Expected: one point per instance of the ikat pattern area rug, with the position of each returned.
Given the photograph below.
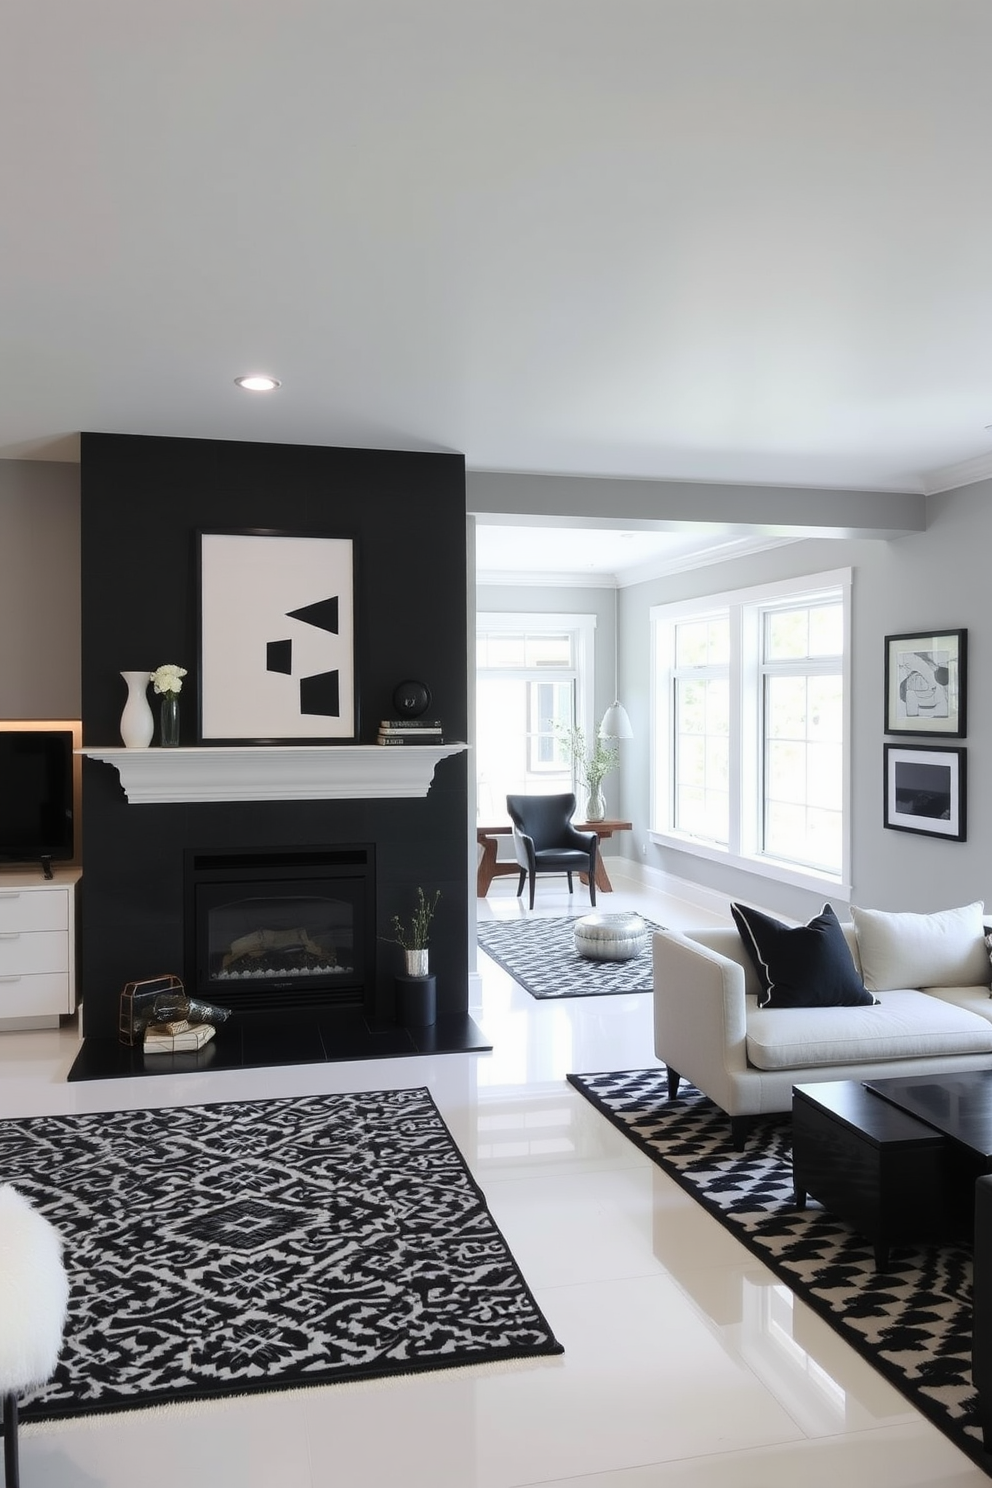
(263, 1245)
(912, 1322)
(540, 954)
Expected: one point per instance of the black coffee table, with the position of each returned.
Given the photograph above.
(865, 1151)
(958, 1105)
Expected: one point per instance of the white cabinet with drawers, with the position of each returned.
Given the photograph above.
(37, 948)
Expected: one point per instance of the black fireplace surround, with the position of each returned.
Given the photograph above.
(143, 501)
(281, 930)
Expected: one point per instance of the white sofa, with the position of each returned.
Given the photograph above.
(709, 1028)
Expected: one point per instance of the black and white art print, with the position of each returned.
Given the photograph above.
(926, 683)
(277, 638)
(925, 790)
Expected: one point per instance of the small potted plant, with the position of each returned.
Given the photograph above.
(414, 934)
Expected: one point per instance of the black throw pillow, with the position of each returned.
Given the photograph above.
(801, 965)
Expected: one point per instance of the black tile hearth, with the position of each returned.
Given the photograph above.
(245, 1043)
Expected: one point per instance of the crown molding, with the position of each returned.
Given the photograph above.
(734, 547)
(965, 473)
(517, 578)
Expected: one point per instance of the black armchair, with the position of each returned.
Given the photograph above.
(545, 841)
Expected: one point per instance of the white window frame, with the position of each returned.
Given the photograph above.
(540, 622)
(744, 607)
(704, 673)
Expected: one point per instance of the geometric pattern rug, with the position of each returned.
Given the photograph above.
(540, 954)
(264, 1245)
(912, 1322)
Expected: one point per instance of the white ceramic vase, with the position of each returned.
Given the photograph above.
(137, 720)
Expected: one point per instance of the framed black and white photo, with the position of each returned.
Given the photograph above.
(925, 790)
(277, 638)
(926, 683)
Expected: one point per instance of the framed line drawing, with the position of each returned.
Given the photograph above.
(276, 638)
(925, 790)
(926, 683)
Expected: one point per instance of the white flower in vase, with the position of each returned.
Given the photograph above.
(168, 679)
(168, 682)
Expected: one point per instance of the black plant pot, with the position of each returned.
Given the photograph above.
(416, 1001)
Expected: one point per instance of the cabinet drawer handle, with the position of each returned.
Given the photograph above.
(10, 894)
(10, 978)
(10, 934)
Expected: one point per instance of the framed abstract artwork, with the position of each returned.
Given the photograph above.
(926, 683)
(925, 790)
(276, 638)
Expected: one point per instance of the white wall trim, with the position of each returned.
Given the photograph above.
(733, 548)
(965, 473)
(521, 578)
(696, 895)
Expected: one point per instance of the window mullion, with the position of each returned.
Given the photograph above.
(745, 638)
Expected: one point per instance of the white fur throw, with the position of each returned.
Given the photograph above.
(34, 1290)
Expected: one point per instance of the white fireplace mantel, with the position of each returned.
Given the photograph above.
(275, 772)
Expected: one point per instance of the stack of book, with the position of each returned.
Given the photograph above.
(411, 731)
(170, 1038)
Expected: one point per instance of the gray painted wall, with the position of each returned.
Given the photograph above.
(39, 589)
(772, 510)
(932, 580)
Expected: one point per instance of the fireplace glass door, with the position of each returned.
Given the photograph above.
(276, 938)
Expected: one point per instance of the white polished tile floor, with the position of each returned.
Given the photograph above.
(686, 1364)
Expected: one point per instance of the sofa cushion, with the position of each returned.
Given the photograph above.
(946, 949)
(904, 1025)
(801, 965)
(975, 999)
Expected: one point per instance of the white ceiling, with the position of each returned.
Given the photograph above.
(604, 557)
(716, 240)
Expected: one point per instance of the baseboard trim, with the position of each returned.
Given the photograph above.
(696, 895)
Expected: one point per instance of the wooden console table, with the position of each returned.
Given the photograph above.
(491, 868)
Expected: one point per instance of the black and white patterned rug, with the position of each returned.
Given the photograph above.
(913, 1322)
(540, 954)
(263, 1245)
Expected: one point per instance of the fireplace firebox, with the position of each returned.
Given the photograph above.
(281, 929)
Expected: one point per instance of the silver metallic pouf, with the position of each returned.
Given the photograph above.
(611, 937)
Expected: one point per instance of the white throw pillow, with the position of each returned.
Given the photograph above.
(946, 949)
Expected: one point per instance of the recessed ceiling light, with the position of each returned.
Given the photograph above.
(258, 384)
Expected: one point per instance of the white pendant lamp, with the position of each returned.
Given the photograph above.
(616, 724)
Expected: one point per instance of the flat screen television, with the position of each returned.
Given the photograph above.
(39, 792)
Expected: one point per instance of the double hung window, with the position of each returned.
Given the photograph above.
(533, 680)
(751, 729)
